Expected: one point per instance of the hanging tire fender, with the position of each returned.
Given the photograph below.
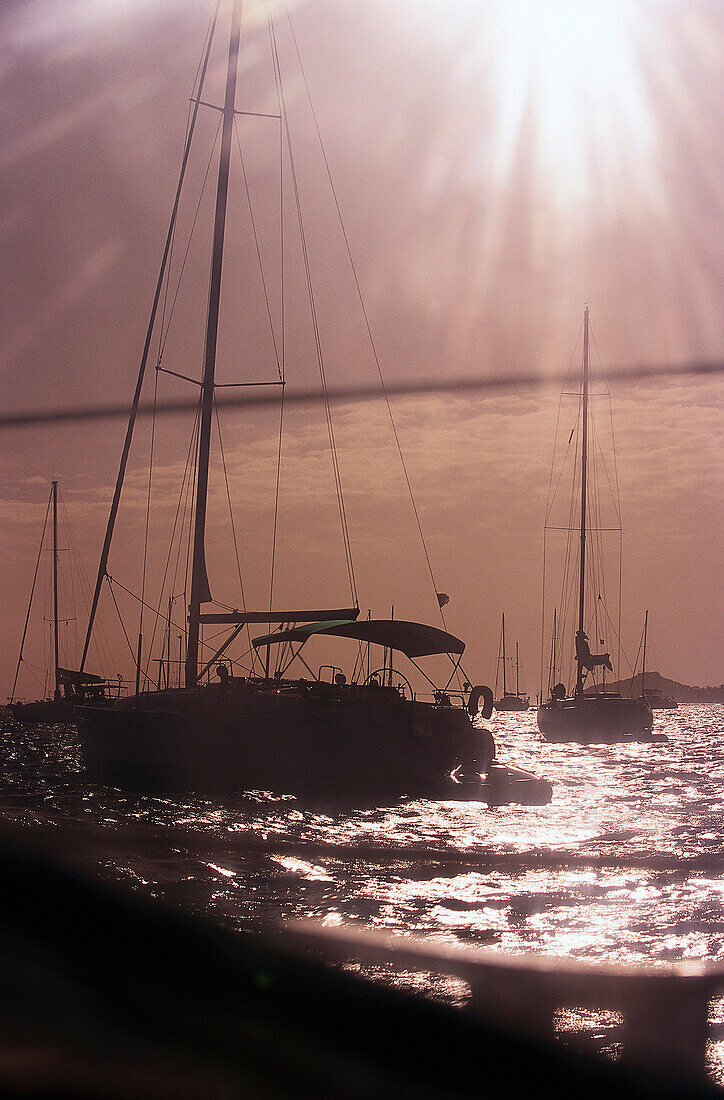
(480, 701)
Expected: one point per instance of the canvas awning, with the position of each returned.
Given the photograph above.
(412, 639)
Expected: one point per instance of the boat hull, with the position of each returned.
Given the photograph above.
(511, 702)
(47, 711)
(500, 786)
(290, 738)
(661, 702)
(596, 719)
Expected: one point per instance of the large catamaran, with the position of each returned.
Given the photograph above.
(590, 713)
(360, 733)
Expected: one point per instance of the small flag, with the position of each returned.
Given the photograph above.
(442, 598)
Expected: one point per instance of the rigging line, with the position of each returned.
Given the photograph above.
(164, 333)
(276, 504)
(84, 584)
(549, 501)
(602, 458)
(30, 601)
(108, 538)
(543, 617)
(572, 545)
(162, 587)
(67, 592)
(613, 436)
(185, 510)
(282, 317)
(500, 383)
(613, 628)
(231, 510)
(282, 238)
(120, 618)
(318, 345)
(148, 606)
(231, 517)
(145, 548)
(258, 250)
(144, 568)
(191, 498)
(620, 595)
(189, 116)
(366, 319)
(558, 481)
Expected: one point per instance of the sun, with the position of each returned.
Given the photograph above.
(566, 79)
(573, 69)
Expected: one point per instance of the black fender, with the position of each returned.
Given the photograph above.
(478, 695)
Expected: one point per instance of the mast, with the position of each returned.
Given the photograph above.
(643, 660)
(584, 474)
(200, 591)
(503, 643)
(54, 491)
(110, 527)
(517, 685)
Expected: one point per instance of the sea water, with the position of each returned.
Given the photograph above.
(624, 802)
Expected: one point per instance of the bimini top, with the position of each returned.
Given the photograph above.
(412, 639)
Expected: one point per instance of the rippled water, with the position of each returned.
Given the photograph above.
(646, 800)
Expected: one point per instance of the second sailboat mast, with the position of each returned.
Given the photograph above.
(200, 591)
(56, 689)
(584, 475)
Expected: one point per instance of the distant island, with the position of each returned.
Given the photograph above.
(682, 693)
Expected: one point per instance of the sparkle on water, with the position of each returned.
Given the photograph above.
(661, 799)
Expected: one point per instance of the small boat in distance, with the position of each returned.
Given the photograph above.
(509, 700)
(68, 687)
(589, 715)
(246, 722)
(658, 701)
(654, 696)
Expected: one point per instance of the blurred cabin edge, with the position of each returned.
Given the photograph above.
(107, 994)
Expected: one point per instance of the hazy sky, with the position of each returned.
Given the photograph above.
(496, 165)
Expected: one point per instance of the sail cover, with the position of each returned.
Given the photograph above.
(412, 639)
(71, 677)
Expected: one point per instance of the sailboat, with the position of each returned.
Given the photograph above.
(68, 686)
(330, 733)
(654, 696)
(590, 714)
(510, 700)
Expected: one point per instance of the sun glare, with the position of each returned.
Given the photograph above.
(568, 71)
(564, 78)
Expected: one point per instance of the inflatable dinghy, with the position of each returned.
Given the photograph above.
(499, 786)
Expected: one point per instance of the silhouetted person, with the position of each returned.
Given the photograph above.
(587, 659)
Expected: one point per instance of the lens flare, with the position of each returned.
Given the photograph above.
(570, 72)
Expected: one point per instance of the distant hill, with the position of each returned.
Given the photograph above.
(682, 693)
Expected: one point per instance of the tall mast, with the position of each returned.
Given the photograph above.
(643, 661)
(553, 650)
(56, 691)
(503, 642)
(517, 673)
(200, 591)
(584, 474)
(110, 527)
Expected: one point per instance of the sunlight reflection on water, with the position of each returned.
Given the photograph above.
(618, 801)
